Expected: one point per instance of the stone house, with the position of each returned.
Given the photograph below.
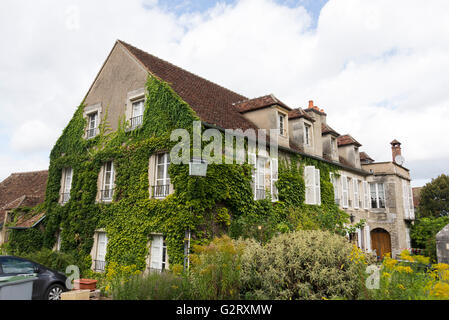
(378, 192)
(21, 190)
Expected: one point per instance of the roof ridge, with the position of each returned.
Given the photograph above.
(28, 172)
(175, 66)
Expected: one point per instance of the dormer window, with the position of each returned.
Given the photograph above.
(92, 125)
(307, 134)
(137, 114)
(281, 124)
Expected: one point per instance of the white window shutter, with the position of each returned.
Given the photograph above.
(344, 184)
(366, 195)
(317, 187)
(274, 166)
(412, 206)
(356, 193)
(252, 160)
(156, 253)
(359, 238)
(309, 178)
(405, 198)
(368, 238)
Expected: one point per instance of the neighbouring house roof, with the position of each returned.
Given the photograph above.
(347, 140)
(211, 102)
(259, 103)
(365, 157)
(326, 129)
(24, 189)
(299, 113)
(26, 221)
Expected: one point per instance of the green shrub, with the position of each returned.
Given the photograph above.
(215, 270)
(153, 286)
(52, 259)
(302, 265)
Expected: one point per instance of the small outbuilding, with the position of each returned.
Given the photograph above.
(442, 242)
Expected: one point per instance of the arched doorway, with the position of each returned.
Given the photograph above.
(381, 242)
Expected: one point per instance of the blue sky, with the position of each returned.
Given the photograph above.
(378, 68)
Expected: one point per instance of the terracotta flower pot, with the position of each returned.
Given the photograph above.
(85, 284)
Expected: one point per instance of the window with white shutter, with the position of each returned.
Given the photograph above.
(359, 238)
(309, 179)
(345, 191)
(334, 181)
(67, 185)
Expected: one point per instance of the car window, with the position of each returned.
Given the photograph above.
(12, 265)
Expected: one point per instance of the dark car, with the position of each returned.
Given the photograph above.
(49, 284)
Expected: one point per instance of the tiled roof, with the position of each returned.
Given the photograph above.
(259, 103)
(24, 201)
(347, 140)
(325, 129)
(211, 102)
(299, 113)
(26, 221)
(17, 185)
(364, 157)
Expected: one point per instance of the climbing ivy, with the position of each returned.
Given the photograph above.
(220, 203)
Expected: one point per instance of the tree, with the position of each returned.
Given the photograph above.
(434, 199)
(423, 234)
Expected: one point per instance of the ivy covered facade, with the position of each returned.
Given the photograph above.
(114, 196)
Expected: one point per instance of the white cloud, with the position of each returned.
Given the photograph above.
(34, 136)
(378, 68)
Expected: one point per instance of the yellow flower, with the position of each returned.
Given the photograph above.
(422, 259)
(440, 266)
(400, 286)
(386, 275)
(405, 255)
(389, 263)
(404, 269)
(440, 290)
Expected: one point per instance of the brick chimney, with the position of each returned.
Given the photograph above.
(395, 149)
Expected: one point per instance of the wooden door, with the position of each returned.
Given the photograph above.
(381, 242)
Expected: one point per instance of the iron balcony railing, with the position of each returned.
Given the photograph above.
(260, 194)
(106, 195)
(161, 191)
(100, 265)
(136, 122)
(65, 197)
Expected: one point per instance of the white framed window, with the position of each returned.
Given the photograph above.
(377, 195)
(366, 195)
(161, 187)
(281, 124)
(264, 176)
(137, 113)
(307, 134)
(107, 190)
(356, 193)
(313, 185)
(158, 255)
(260, 177)
(100, 257)
(92, 124)
(345, 191)
(67, 175)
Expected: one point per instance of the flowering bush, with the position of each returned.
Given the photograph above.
(412, 277)
(303, 265)
(215, 270)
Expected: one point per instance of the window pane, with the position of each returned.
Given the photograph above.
(381, 195)
(11, 265)
(373, 195)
